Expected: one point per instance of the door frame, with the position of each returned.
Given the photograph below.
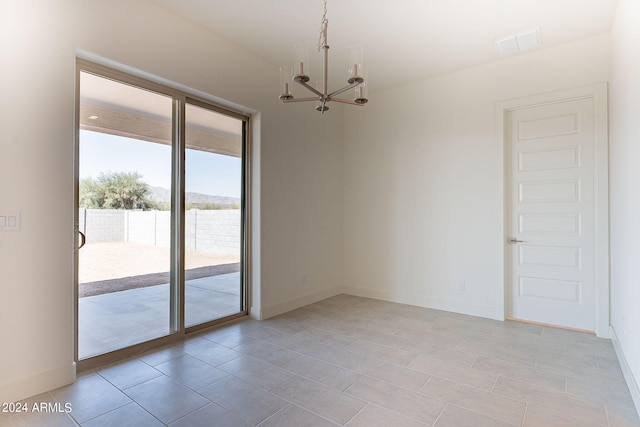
(599, 93)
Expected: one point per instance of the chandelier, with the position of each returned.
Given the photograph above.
(322, 96)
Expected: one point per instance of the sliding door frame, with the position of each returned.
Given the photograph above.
(180, 98)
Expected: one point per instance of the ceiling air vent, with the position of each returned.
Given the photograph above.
(524, 40)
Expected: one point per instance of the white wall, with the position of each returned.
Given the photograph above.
(423, 174)
(625, 193)
(297, 167)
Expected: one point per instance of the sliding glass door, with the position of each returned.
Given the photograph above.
(123, 267)
(213, 214)
(160, 212)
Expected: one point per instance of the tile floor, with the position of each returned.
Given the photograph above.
(356, 362)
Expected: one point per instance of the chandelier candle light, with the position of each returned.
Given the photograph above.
(356, 79)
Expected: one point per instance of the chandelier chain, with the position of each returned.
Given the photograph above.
(322, 40)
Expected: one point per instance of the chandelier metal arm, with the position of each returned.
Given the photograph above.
(347, 101)
(344, 89)
(311, 88)
(314, 98)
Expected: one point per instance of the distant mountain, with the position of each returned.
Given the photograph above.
(163, 195)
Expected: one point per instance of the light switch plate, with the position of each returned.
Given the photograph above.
(9, 221)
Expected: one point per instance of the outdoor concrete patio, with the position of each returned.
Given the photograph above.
(119, 319)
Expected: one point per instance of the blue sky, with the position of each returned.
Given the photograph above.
(206, 173)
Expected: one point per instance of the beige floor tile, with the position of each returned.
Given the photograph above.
(166, 399)
(622, 415)
(414, 328)
(207, 416)
(161, 355)
(131, 414)
(399, 357)
(540, 416)
(276, 337)
(319, 399)
(285, 325)
(467, 326)
(368, 348)
(538, 348)
(617, 394)
(314, 321)
(409, 403)
(267, 352)
(579, 370)
(610, 365)
(520, 372)
(520, 327)
(484, 402)
(443, 353)
(578, 341)
(256, 372)
(295, 416)
(498, 353)
(377, 416)
(227, 337)
(90, 397)
(573, 407)
(385, 371)
(464, 333)
(454, 372)
(332, 338)
(432, 338)
(209, 352)
(386, 339)
(251, 404)
(323, 372)
(381, 323)
(191, 372)
(336, 355)
(454, 416)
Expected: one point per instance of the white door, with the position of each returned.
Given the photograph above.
(551, 244)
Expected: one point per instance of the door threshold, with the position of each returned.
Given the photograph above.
(549, 325)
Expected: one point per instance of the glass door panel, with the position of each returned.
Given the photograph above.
(124, 168)
(213, 215)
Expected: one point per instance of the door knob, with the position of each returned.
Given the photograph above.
(514, 240)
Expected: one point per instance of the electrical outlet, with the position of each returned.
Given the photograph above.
(462, 285)
(9, 221)
(303, 280)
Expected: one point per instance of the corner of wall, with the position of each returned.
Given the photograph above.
(634, 389)
(292, 304)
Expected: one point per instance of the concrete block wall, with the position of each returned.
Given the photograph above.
(215, 231)
(140, 227)
(102, 225)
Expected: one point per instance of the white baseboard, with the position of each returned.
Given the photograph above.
(427, 302)
(634, 389)
(18, 390)
(276, 309)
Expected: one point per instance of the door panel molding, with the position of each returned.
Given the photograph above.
(599, 93)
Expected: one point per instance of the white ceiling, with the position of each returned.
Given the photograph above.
(403, 40)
